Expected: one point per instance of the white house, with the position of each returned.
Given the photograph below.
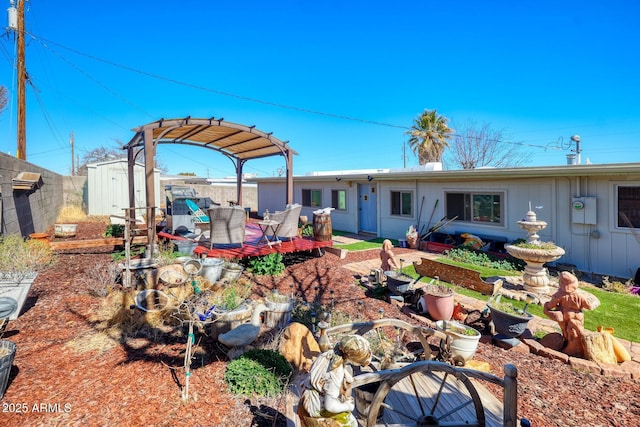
(592, 211)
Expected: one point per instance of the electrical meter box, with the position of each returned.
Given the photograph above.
(583, 210)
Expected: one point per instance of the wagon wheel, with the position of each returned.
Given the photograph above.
(420, 410)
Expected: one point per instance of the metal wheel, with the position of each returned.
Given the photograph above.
(425, 394)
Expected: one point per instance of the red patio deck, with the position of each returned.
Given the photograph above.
(252, 246)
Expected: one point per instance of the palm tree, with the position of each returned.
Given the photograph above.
(428, 136)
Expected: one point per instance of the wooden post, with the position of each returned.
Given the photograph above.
(510, 410)
(22, 76)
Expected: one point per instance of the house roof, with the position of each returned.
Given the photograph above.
(612, 169)
(231, 139)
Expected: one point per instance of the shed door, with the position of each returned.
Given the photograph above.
(367, 208)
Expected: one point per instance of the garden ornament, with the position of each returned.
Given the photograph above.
(566, 307)
(389, 262)
(326, 399)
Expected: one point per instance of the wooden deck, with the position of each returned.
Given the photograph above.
(252, 246)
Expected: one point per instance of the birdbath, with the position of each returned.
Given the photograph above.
(535, 253)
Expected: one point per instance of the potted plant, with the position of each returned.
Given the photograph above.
(464, 338)
(438, 301)
(20, 261)
(7, 354)
(508, 320)
(231, 308)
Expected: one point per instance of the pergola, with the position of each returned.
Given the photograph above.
(239, 143)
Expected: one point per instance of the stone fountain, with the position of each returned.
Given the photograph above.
(535, 253)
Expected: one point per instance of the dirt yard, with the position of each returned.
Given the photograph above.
(67, 373)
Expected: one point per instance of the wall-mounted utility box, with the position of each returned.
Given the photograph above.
(583, 210)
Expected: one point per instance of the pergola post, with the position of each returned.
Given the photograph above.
(149, 170)
(131, 164)
(289, 183)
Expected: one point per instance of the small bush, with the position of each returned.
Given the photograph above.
(268, 265)
(100, 279)
(482, 259)
(258, 372)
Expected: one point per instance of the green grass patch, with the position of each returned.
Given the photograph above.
(616, 310)
(365, 244)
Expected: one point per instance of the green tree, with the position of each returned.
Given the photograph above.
(429, 135)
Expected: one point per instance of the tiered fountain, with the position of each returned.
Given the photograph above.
(535, 253)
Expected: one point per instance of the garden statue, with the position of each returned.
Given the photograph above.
(326, 398)
(565, 307)
(389, 262)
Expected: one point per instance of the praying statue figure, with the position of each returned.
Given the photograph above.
(565, 307)
(326, 399)
(389, 262)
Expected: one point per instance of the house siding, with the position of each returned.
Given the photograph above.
(611, 251)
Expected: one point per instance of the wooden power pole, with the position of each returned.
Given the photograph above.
(22, 76)
(73, 168)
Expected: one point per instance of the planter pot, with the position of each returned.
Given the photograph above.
(225, 320)
(438, 304)
(212, 269)
(279, 314)
(65, 230)
(508, 324)
(398, 283)
(15, 287)
(186, 247)
(363, 397)
(7, 354)
(231, 272)
(465, 338)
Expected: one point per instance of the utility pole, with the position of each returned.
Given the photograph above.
(22, 75)
(73, 168)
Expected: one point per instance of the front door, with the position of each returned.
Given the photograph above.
(367, 208)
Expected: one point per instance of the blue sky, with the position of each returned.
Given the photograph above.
(539, 71)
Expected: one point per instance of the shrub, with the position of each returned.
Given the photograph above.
(482, 259)
(270, 265)
(258, 372)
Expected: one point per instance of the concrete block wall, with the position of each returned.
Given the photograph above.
(33, 211)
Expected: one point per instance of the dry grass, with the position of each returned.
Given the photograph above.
(71, 215)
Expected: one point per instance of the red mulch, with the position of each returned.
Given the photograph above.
(133, 383)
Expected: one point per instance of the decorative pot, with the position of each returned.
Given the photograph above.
(231, 272)
(212, 269)
(225, 320)
(465, 338)
(7, 354)
(509, 324)
(438, 302)
(65, 230)
(280, 308)
(16, 287)
(363, 397)
(399, 283)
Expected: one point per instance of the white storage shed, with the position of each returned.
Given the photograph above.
(108, 187)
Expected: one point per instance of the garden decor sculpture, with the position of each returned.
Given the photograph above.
(326, 399)
(565, 307)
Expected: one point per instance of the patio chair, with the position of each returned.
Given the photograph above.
(288, 219)
(226, 225)
(199, 217)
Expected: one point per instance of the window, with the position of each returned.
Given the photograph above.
(485, 208)
(628, 206)
(339, 199)
(402, 203)
(312, 198)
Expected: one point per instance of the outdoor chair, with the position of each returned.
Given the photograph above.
(288, 219)
(226, 225)
(199, 217)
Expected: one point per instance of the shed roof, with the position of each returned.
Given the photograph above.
(231, 139)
